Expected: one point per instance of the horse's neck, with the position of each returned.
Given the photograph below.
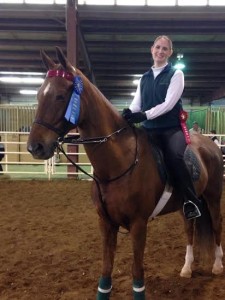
(99, 117)
(112, 157)
(102, 120)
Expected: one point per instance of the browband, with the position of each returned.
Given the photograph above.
(60, 73)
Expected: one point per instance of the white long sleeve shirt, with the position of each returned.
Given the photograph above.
(174, 93)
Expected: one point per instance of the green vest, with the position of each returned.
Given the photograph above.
(153, 92)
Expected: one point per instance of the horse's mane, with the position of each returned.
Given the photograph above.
(92, 92)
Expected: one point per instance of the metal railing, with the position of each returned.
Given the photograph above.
(19, 164)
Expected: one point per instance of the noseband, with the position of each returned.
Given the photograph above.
(58, 131)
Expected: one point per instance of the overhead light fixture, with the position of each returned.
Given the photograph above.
(22, 80)
(39, 1)
(28, 92)
(179, 63)
(136, 81)
(21, 73)
(11, 1)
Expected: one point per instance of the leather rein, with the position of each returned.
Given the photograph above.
(97, 140)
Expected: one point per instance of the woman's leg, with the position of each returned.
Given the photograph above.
(174, 146)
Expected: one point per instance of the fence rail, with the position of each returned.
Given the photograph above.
(19, 164)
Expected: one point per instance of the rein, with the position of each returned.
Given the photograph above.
(97, 140)
(98, 182)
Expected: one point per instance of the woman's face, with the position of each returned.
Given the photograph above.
(161, 52)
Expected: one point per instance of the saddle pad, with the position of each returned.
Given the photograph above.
(192, 163)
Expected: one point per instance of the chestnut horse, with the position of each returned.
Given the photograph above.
(127, 185)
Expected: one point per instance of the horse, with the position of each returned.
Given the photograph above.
(127, 185)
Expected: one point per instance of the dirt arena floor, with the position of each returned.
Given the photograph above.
(50, 249)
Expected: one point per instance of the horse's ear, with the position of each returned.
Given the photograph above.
(62, 59)
(48, 62)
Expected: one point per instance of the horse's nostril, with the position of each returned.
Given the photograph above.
(35, 148)
(29, 148)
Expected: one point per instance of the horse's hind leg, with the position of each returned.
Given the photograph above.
(218, 265)
(215, 212)
(109, 234)
(189, 257)
(138, 235)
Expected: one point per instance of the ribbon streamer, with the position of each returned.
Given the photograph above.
(183, 119)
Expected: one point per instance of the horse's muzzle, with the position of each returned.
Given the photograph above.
(40, 151)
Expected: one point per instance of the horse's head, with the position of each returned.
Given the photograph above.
(54, 110)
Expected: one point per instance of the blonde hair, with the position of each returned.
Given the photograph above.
(166, 38)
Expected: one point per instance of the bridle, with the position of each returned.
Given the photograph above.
(95, 140)
(58, 131)
(62, 74)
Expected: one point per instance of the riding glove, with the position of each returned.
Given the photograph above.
(137, 117)
(133, 117)
(126, 113)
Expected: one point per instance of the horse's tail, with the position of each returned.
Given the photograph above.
(204, 235)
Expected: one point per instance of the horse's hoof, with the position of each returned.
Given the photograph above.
(185, 273)
(217, 270)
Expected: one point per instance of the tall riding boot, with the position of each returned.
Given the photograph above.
(191, 204)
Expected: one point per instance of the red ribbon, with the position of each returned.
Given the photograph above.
(183, 118)
(60, 73)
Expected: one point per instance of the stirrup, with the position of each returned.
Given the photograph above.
(193, 213)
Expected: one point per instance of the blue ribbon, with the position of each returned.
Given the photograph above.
(73, 109)
(78, 85)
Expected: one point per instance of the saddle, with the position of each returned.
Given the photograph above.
(189, 158)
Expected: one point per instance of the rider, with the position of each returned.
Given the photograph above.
(157, 105)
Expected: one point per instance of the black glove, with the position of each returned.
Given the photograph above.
(126, 113)
(137, 117)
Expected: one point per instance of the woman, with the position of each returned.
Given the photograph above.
(157, 105)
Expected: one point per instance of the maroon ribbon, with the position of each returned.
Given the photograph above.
(60, 73)
(183, 118)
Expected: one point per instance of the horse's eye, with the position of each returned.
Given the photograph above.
(59, 97)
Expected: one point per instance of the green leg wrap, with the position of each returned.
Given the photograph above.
(104, 288)
(138, 290)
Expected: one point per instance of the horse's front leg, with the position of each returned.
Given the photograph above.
(189, 257)
(138, 236)
(109, 235)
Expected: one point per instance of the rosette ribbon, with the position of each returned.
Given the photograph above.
(73, 109)
(183, 118)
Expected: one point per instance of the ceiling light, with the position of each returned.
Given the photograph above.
(39, 1)
(22, 80)
(22, 73)
(28, 92)
(136, 81)
(11, 1)
(179, 63)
